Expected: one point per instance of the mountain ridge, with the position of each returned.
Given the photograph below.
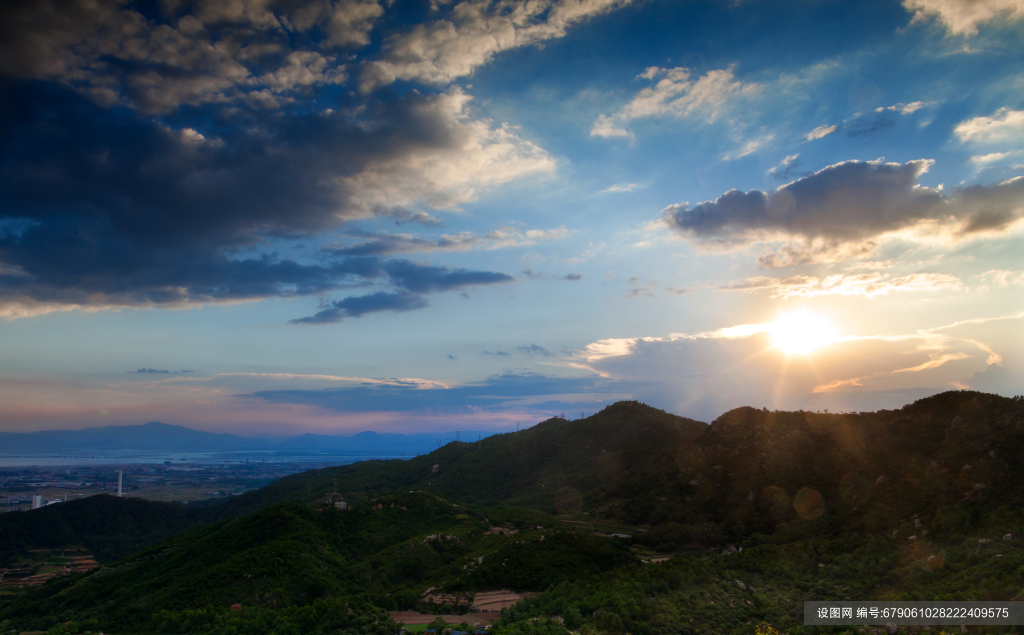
(155, 435)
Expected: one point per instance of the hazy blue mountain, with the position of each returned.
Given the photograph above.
(150, 436)
(376, 443)
(162, 436)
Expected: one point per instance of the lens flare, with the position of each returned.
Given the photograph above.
(808, 503)
(801, 333)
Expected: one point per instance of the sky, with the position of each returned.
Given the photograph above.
(274, 217)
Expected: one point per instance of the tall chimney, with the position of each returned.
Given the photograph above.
(119, 483)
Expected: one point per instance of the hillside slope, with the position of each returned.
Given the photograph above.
(750, 471)
(109, 526)
(917, 503)
(389, 550)
(558, 465)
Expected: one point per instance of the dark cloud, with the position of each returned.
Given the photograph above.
(533, 349)
(102, 207)
(166, 372)
(356, 306)
(205, 52)
(869, 125)
(424, 279)
(415, 280)
(497, 392)
(997, 379)
(789, 168)
(403, 216)
(380, 244)
(847, 202)
(532, 275)
(497, 353)
(451, 357)
(572, 277)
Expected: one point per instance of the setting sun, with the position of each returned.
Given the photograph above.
(801, 333)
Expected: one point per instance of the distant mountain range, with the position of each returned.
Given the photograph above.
(162, 436)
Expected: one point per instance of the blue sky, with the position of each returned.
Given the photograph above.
(338, 215)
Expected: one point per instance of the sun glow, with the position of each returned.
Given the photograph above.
(801, 333)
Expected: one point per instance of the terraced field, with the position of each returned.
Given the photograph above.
(46, 564)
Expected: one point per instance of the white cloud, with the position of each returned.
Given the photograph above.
(304, 68)
(704, 374)
(438, 52)
(906, 109)
(218, 53)
(349, 23)
(608, 128)
(820, 132)
(962, 17)
(750, 147)
(480, 156)
(865, 284)
(677, 94)
(621, 187)
(990, 158)
(1001, 278)
(511, 237)
(1005, 125)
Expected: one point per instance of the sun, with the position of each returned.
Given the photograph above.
(801, 333)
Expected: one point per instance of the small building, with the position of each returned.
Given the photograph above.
(340, 505)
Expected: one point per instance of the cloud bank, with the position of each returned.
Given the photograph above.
(101, 208)
(441, 51)
(839, 211)
(962, 17)
(676, 94)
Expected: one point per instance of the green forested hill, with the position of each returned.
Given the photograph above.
(110, 527)
(611, 454)
(748, 472)
(388, 550)
(704, 484)
(558, 465)
(760, 510)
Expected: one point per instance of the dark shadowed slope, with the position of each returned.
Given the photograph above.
(390, 550)
(110, 527)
